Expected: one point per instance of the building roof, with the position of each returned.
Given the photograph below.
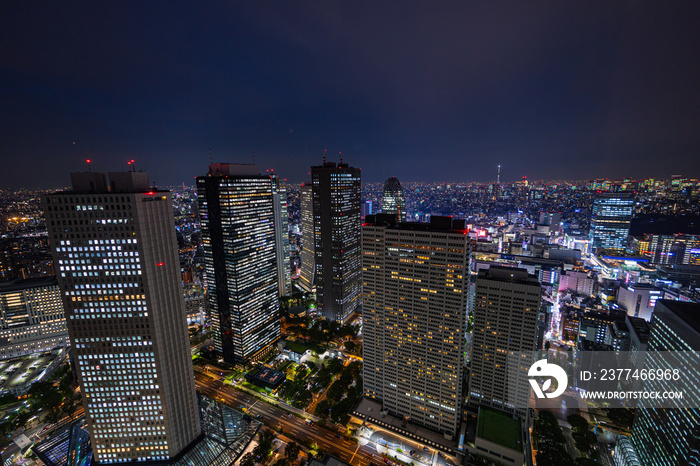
(508, 274)
(437, 223)
(26, 283)
(500, 428)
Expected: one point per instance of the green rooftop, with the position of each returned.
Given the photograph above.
(498, 427)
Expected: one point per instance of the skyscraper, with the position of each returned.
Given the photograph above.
(393, 200)
(506, 309)
(237, 207)
(415, 279)
(119, 275)
(611, 216)
(336, 216)
(308, 238)
(284, 274)
(663, 436)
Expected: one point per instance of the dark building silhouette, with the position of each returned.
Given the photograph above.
(336, 221)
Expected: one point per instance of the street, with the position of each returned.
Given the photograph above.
(328, 441)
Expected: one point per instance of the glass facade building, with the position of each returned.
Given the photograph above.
(336, 217)
(611, 215)
(308, 254)
(119, 273)
(670, 436)
(393, 200)
(238, 210)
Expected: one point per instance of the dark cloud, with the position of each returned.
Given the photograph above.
(420, 90)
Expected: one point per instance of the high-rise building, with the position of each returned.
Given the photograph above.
(669, 249)
(365, 208)
(31, 317)
(284, 271)
(415, 285)
(336, 215)
(611, 216)
(237, 210)
(393, 200)
(506, 310)
(668, 436)
(308, 238)
(118, 268)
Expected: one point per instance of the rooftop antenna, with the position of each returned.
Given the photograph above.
(133, 165)
(253, 157)
(210, 160)
(341, 156)
(89, 167)
(498, 180)
(324, 156)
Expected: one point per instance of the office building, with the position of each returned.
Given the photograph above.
(667, 436)
(366, 209)
(669, 249)
(415, 285)
(237, 211)
(119, 274)
(308, 238)
(579, 282)
(282, 249)
(31, 317)
(336, 216)
(393, 200)
(611, 215)
(638, 300)
(506, 312)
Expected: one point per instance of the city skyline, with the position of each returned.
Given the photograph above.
(434, 93)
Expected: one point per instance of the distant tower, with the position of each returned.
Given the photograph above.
(498, 179)
(393, 200)
(611, 216)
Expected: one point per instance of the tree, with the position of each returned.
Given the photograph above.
(292, 451)
(350, 345)
(547, 345)
(248, 460)
(265, 438)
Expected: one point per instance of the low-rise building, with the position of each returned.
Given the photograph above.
(31, 317)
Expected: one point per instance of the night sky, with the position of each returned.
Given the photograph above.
(425, 91)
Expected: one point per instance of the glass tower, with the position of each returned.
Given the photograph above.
(336, 216)
(611, 215)
(393, 200)
(668, 436)
(308, 255)
(119, 274)
(237, 209)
